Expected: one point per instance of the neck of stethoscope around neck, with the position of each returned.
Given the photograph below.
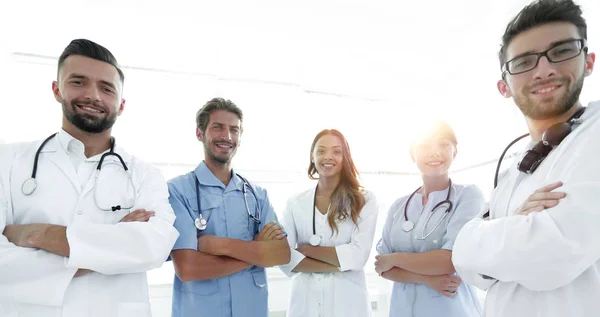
(417, 190)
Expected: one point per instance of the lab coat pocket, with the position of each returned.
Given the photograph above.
(205, 287)
(130, 309)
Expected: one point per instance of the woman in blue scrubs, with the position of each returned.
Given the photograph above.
(415, 250)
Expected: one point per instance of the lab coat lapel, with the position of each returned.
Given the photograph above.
(110, 162)
(89, 185)
(58, 156)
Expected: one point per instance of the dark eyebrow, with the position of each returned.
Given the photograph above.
(552, 45)
(104, 82)
(77, 76)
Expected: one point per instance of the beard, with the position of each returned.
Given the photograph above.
(552, 107)
(85, 122)
(213, 156)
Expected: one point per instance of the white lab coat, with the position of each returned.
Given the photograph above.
(546, 263)
(41, 284)
(342, 293)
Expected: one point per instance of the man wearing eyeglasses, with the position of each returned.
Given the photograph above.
(538, 253)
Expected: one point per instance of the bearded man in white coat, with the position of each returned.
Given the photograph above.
(538, 252)
(81, 220)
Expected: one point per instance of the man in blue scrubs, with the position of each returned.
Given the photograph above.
(222, 251)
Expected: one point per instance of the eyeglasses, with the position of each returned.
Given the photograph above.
(556, 54)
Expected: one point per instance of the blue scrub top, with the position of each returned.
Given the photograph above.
(243, 293)
(419, 300)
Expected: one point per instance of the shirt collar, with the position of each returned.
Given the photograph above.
(73, 145)
(206, 177)
(69, 143)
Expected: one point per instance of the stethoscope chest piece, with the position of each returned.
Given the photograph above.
(314, 240)
(29, 186)
(407, 226)
(200, 223)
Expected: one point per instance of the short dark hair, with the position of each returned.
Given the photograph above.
(92, 50)
(542, 12)
(203, 115)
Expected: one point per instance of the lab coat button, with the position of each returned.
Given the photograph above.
(79, 212)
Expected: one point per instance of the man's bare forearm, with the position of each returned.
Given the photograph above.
(53, 239)
(260, 253)
(193, 265)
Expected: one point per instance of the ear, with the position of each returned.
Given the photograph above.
(503, 88)
(56, 92)
(312, 158)
(455, 152)
(121, 107)
(589, 63)
(199, 135)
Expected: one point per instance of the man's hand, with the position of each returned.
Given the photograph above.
(541, 199)
(271, 231)
(446, 284)
(140, 215)
(27, 236)
(384, 263)
(210, 244)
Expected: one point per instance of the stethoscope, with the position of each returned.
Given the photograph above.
(201, 223)
(408, 225)
(315, 239)
(30, 185)
(536, 158)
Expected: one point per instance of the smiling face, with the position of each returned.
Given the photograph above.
(550, 89)
(89, 91)
(222, 136)
(328, 155)
(434, 156)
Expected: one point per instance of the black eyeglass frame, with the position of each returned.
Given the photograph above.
(582, 48)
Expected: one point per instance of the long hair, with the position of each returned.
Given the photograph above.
(347, 199)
